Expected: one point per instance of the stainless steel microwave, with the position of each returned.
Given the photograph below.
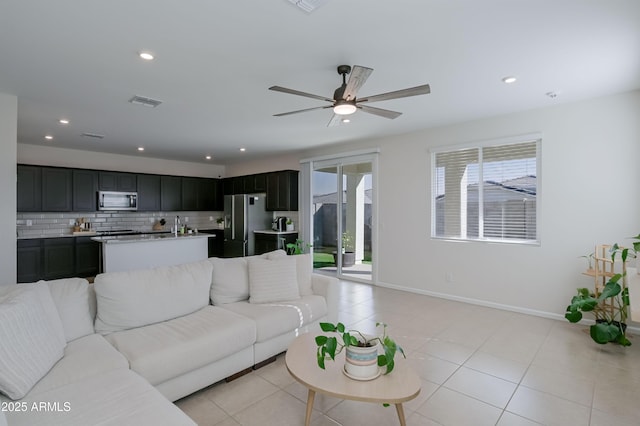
(116, 200)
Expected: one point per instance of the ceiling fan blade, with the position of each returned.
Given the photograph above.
(381, 112)
(300, 110)
(404, 93)
(357, 78)
(336, 120)
(299, 93)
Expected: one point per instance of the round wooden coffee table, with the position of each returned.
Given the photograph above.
(401, 385)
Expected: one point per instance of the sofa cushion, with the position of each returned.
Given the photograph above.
(229, 281)
(274, 319)
(138, 298)
(166, 350)
(32, 339)
(73, 300)
(115, 398)
(273, 280)
(84, 357)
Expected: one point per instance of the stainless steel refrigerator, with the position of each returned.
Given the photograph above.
(244, 214)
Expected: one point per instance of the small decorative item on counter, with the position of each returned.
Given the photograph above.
(289, 224)
(220, 222)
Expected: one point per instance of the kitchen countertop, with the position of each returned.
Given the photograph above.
(137, 238)
(271, 232)
(88, 234)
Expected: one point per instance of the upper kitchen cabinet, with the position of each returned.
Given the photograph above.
(85, 188)
(29, 188)
(149, 193)
(118, 181)
(200, 194)
(57, 189)
(171, 193)
(255, 183)
(282, 191)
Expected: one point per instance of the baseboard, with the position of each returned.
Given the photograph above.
(488, 304)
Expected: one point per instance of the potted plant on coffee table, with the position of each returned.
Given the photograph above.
(362, 361)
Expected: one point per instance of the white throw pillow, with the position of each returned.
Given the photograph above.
(32, 339)
(229, 281)
(273, 280)
(73, 300)
(137, 298)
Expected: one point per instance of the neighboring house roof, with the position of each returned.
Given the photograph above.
(332, 198)
(508, 189)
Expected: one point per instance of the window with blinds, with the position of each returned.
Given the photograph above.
(486, 192)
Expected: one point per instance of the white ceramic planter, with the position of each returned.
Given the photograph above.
(362, 363)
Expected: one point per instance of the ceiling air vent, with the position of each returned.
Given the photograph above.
(308, 5)
(144, 101)
(93, 135)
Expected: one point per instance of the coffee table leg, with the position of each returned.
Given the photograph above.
(400, 411)
(310, 398)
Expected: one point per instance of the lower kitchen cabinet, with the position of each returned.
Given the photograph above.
(266, 242)
(29, 260)
(216, 241)
(54, 258)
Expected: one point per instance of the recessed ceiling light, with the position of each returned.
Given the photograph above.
(510, 79)
(208, 157)
(63, 121)
(48, 137)
(346, 120)
(243, 149)
(146, 56)
(140, 148)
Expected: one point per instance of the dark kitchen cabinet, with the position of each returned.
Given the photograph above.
(118, 181)
(227, 186)
(87, 257)
(209, 195)
(216, 242)
(265, 243)
(85, 189)
(190, 190)
(282, 191)
(149, 193)
(29, 188)
(171, 193)
(255, 183)
(59, 258)
(29, 260)
(57, 191)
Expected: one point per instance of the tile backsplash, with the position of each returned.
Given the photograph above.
(33, 225)
(56, 224)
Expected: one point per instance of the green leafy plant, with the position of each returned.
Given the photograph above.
(330, 346)
(347, 241)
(298, 247)
(611, 307)
(219, 220)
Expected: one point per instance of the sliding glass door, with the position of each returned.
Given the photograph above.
(343, 217)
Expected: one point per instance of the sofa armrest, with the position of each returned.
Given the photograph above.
(326, 286)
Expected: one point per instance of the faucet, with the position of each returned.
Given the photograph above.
(176, 224)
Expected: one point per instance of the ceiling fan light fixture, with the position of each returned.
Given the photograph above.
(344, 108)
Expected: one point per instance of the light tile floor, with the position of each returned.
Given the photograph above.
(479, 366)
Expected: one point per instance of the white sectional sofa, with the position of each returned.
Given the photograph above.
(119, 351)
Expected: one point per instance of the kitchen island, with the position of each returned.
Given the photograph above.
(143, 251)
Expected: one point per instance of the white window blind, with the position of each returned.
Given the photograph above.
(486, 192)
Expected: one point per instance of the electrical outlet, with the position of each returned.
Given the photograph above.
(72, 222)
(210, 218)
(186, 219)
(448, 277)
(29, 222)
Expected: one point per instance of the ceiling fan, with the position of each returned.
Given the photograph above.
(344, 100)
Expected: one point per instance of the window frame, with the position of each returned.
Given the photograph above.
(519, 139)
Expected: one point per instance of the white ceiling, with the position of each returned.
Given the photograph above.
(215, 59)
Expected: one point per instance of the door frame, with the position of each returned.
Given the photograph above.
(306, 197)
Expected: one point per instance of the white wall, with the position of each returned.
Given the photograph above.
(590, 187)
(62, 157)
(8, 132)
(280, 162)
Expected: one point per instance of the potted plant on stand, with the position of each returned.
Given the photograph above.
(348, 254)
(362, 361)
(610, 307)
